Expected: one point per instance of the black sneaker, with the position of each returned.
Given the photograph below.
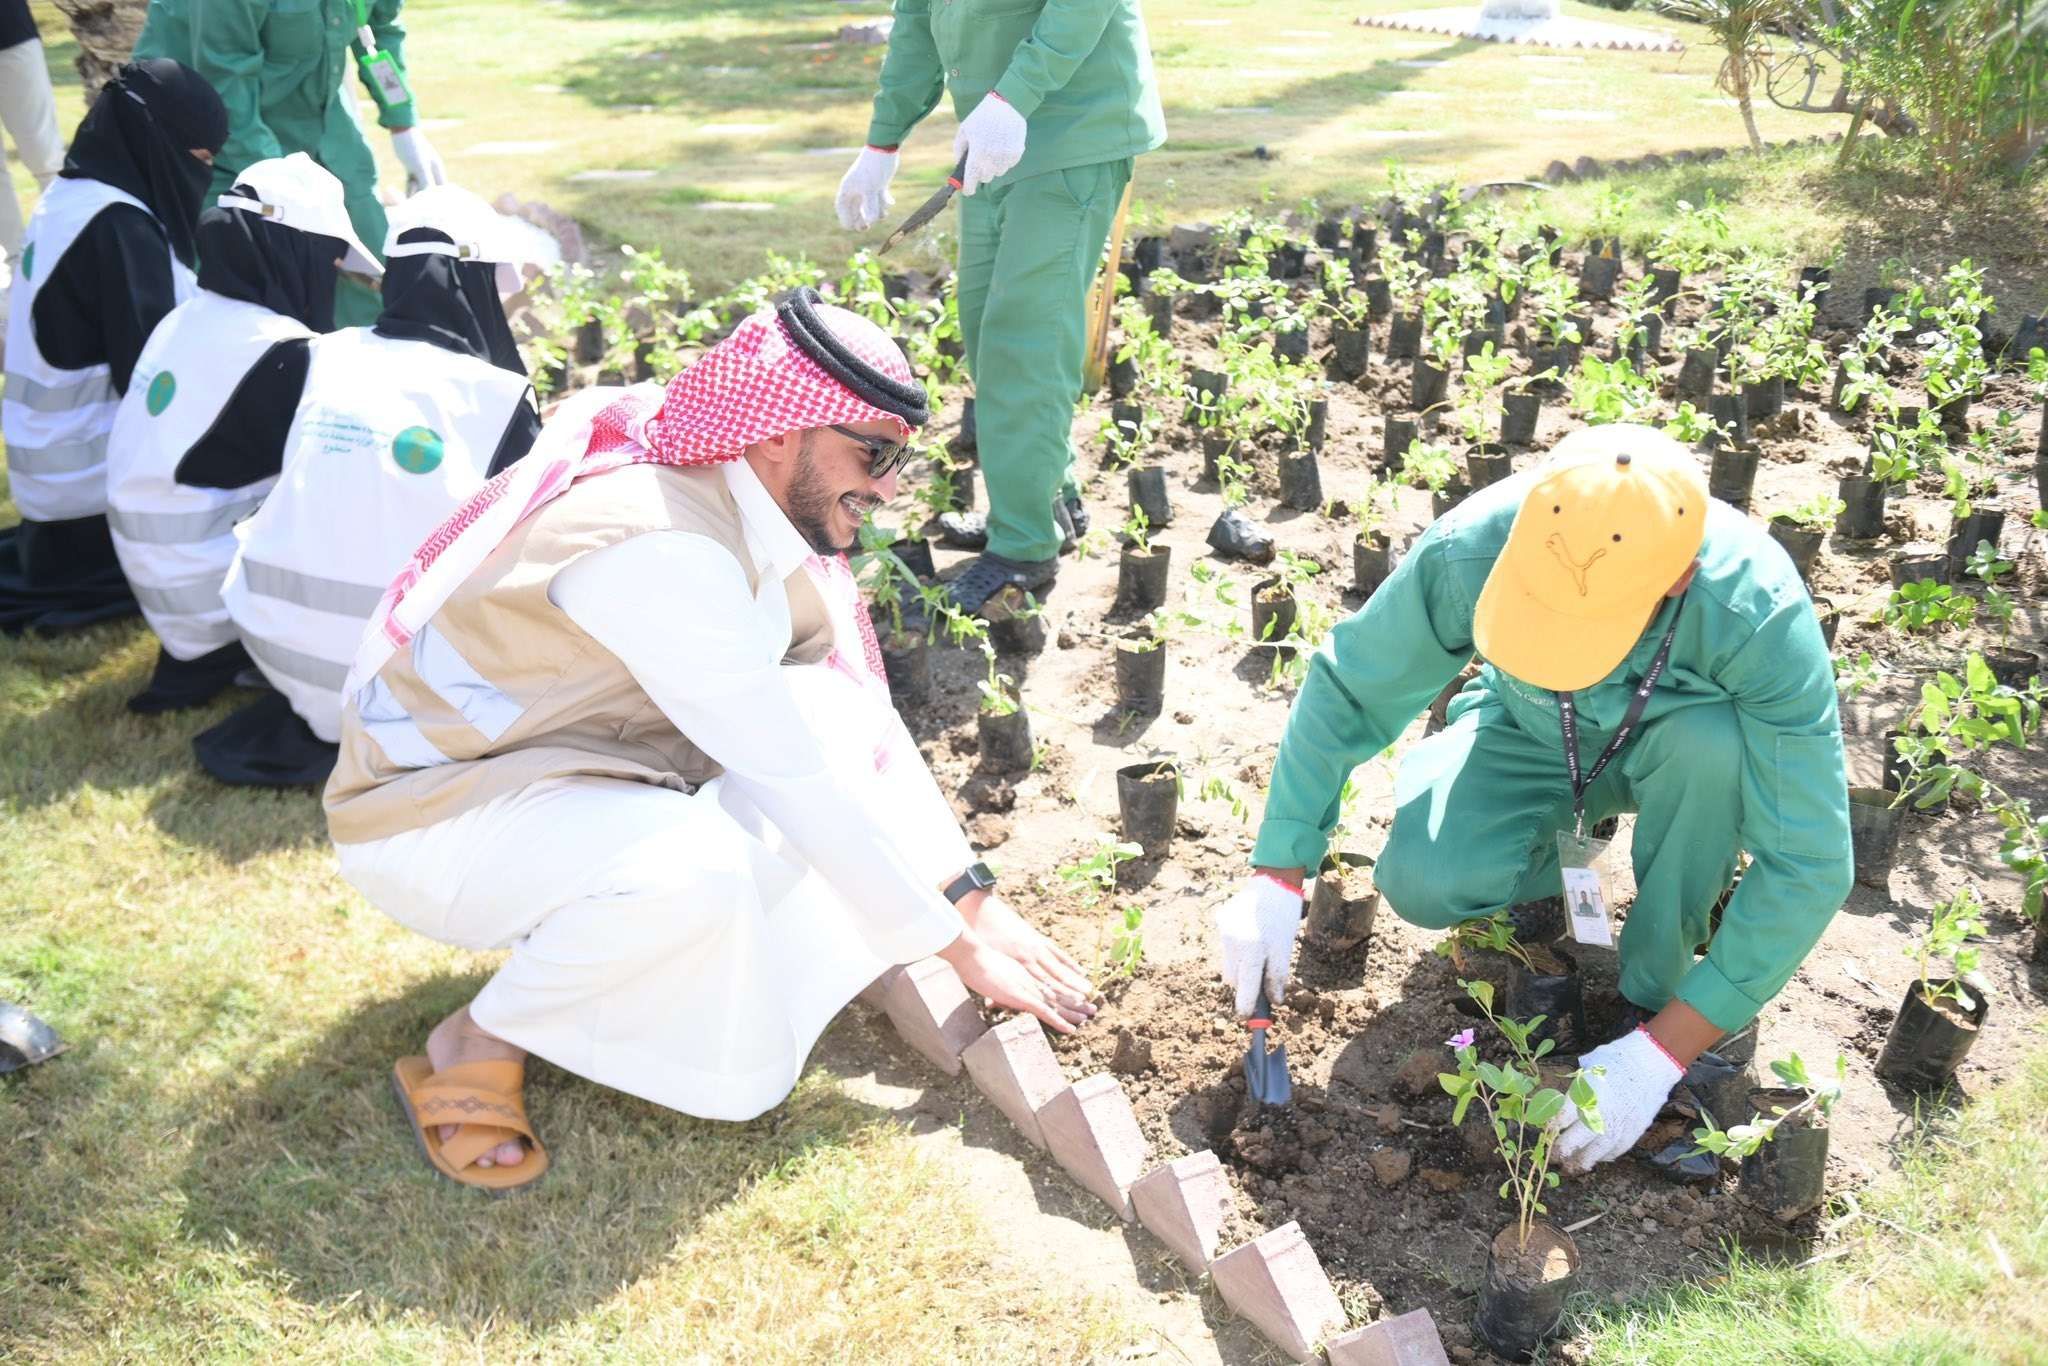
(1076, 525)
(986, 575)
(963, 530)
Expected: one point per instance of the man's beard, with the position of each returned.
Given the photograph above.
(811, 502)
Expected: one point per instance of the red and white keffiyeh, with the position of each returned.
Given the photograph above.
(753, 386)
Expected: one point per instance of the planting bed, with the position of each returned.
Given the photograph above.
(1400, 1207)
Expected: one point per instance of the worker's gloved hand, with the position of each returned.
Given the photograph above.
(864, 190)
(987, 971)
(1256, 928)
(1632, 1077)
(993, 139)
(422, 163)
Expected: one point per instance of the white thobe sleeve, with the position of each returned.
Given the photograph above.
(676, 610)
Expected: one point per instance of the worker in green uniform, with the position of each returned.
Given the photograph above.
(280, 67)
(1055, 99)
(1646, 650)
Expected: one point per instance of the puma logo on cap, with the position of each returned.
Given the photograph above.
(1556, 546)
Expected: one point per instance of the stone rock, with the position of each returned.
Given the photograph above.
(868, 33)
(1441, 1181)
(1182, 1204)
(1090, 1129)
(565, 231)
(930, 1008)
(1014, 1067)
(1385, 1118)
(1417, 1075)
(1133, 1054)
(1587, 169)
(1557, 173)
(1277, 1284)
(1409, 1339)
(1390, 1166)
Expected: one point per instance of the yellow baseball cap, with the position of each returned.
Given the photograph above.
(1610, 524)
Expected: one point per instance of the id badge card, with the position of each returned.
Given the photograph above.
(1585, 888)
(385, 79)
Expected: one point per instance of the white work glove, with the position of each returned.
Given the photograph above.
(993, 138)
(864, 190)
(1256, 929)
(1631, 1077)
(419, 158)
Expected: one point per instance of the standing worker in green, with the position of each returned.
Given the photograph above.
(1648, 650)
(281, 67)
(1055, 99)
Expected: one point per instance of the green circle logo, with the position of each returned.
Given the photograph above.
(162, 390)
(417, 450)
(28, 261)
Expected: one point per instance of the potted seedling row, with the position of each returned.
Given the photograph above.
(1801, 530)
(1142, 567)
(1002, 724)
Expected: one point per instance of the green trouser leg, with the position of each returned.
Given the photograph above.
(344, 152)
(1479, 807)
(1028, 252)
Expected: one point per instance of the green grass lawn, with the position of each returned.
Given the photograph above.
(737, 110)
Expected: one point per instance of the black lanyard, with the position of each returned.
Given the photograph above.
(1568, 722)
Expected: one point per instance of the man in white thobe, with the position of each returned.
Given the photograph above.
(622, 715)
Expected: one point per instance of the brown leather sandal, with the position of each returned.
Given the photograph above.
(485, 1099)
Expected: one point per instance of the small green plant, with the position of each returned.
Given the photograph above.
(1959, 721)
(1691, 426)
(1947, 939)
(1519, 1105)
(1923, 604)
(1611, 391)
(1126, 947)
(1094, 877)
(1817, 513)
(1137, 529)
(1426, 465)
(1216, 789)
(1858, 675)
(1738, 1141)
(1494, 933)
(1984, 565)
(998, 690)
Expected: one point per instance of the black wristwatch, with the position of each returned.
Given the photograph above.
(977, 878)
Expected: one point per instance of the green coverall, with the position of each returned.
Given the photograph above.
(279, 66)
(1740, 749)
(1080, 72)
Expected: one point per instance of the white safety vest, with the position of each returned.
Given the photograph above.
(56, 421)
(390, 438)
(176, 541)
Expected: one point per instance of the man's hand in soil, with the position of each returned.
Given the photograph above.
(1632, 1077)
(1000, 927)
(1255, 930)
(990, 972)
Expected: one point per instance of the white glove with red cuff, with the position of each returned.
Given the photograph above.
(993, 138)
(1257, 929)
(1632, 1077)
(864, 190)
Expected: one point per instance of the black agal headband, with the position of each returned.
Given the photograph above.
(797, 311)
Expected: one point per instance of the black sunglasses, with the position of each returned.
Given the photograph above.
(885, 457)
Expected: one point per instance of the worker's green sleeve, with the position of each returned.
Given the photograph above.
(1066, 32)
(390, 35)
(912, 76)
(1375, 673)
(1795, 818)
(226, 47)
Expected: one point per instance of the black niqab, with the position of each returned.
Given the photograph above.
(139, 135)
(283, 269)
(453, 304)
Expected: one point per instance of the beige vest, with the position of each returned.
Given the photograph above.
(501, 690)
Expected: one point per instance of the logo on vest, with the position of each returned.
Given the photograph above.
(28, 260)
(1556, 546)
(162, 390)
(417, 450)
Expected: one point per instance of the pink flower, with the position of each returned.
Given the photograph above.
(1462, 1039)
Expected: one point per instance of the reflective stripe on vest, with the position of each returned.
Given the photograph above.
(55, 420)
(440, 667)
(310, 590)
(319, 673)
(59, 398)
(196, 598)
(180, 528)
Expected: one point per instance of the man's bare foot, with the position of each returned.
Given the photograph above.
(456, 1040)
